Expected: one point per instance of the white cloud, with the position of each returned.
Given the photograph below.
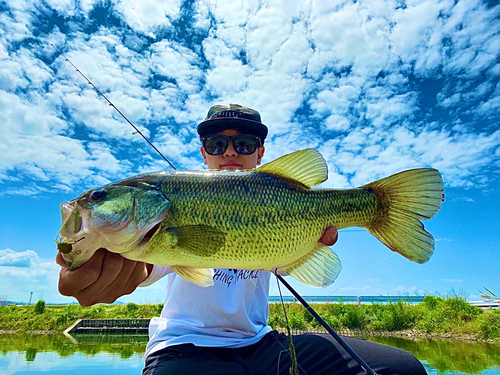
(336, 105)
(336, 76)
(89, 110)
(11, 258)
(32, 190)
(461, 198)
(384, 109)
(372, 155)
(30, 142)
(366, 287)
(227, 73)
(145, 16)
(66, 7)
(490, 107)
(336, 122)
(403, 290)
(87, 5)
(176, 62)
(294, 53)
(443, 240)
(417, 33)
(260, 48)
(23, 271)
(17, 21)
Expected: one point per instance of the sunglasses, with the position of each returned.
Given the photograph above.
(243, 144)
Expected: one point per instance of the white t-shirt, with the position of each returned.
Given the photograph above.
(231, 313)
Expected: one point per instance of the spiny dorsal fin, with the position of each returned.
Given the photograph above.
(306, 166)
(319, 268)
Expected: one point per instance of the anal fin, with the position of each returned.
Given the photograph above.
(200, 276)
(319, 268)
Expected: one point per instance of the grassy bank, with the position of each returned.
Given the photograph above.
(452, 317)
(56, 318)
(447, 317)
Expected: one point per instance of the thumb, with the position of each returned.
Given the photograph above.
(60, 260)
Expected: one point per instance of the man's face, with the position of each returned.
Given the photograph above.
(230, 159)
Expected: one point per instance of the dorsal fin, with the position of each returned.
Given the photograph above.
(306, 166)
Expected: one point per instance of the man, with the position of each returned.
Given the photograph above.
(223, 329)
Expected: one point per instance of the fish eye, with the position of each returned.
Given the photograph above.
(97, 195)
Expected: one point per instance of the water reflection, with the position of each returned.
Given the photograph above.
(123, 354)
(451, 356)
(125, 346)
(39, 354)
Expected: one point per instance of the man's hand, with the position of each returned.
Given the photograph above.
(102, 279)
(330, 236)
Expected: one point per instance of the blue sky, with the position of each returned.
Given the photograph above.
(375, 86)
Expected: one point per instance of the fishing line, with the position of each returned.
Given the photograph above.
(364, 274)
(137, 131)
(293, 355)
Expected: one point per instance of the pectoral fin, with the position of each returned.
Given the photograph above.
(319, 268)
(200, 276)
(201, 240)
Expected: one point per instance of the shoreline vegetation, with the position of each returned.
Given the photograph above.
(436, 317)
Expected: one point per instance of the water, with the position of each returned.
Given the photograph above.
(350, 299)
(450, 356)
(57, 354)
(107, 354)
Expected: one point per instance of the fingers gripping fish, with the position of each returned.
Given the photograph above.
(263, 219)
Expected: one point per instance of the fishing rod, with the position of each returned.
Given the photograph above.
(330, 330)
(137, 131)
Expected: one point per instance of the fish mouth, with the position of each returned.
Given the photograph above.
(73, 231)
(75, 223)
(78, 238)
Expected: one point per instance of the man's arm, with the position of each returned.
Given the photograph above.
(102, 279)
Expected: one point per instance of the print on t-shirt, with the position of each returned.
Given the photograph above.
(232, 276)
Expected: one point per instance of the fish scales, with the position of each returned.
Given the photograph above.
(258, 225)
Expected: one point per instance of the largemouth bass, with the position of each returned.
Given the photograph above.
(263, 219)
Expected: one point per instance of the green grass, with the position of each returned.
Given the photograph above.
(449, 316)
(57, 318)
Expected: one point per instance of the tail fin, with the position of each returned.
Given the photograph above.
(410, 196)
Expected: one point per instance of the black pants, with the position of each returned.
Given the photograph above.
(317, 354)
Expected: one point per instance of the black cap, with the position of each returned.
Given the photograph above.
(221, 117)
